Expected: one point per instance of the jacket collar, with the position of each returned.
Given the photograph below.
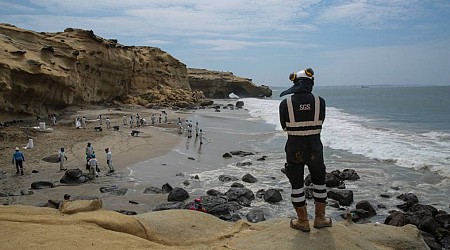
(301, 85)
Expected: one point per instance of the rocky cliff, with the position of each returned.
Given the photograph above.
(41, 72)
(217, 84)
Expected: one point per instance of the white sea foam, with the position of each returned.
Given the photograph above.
(360, 135)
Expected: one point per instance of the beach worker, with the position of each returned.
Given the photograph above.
(301, 116)
(89, 152)
(18, 159)
(83, 122)
(93, 166)
(109, 160)
(77, 123)
(200, 134)
(179, 120)
(53, 119)
(62, 158)
(124, 119)
(196, 129)
(189, 130)
(100, 119)
(138, 120)
(165, 117)
(160, 118)
(131, 121)
(180, 127)
(108, 123)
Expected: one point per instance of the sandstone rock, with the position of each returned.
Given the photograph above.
(72, 207)
(219, 85)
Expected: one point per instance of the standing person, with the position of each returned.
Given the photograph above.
(301, 116)
(100, 119)
(77, 123)
(138, 120)
(93, 166)
(131, 121)
(201, 136)
(160, 118)
(108, 123)
(196, 129)
(109, 160)
(54, 119)
(18, 158)
(62, 158)
(124, 119)
(89, 152)
(165, 117)
(189, 130)
(83, 122)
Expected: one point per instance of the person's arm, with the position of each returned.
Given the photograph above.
(23, 156)
(13, 159)
(283, 113)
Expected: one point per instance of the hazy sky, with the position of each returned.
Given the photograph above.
(346, 42)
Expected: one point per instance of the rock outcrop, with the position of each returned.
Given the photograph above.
(216, 84)
(42, 72)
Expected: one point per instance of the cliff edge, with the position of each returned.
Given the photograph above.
(218, 84)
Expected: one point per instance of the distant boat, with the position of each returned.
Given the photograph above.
(364, 87)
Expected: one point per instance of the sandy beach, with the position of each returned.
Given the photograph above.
(152, 141)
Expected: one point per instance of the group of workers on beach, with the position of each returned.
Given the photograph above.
(189, 128)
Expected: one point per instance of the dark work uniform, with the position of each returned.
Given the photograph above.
(301, 116)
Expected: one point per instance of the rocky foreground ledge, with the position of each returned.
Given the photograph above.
(84, 225)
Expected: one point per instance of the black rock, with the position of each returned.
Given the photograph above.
(126, 212)
(41, 184)
(186, 183)
(34, 171)
(249, 178)
(344, 197)
(169, 205)
(237, 184)
(241, 153)
(397, 219)
(108, 189)
(234, 193)
(227, 155)
(263, 158)
(244, 163)
(178, 194)
(226, 178)
(119, 192)
(133, 202)
(239, 104)
(166, 188)
(152, 190)
(385, 195)
(272, 196)
(213, 192)
(366, 206)
(255, 216)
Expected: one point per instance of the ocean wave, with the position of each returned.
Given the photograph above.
(371, 138)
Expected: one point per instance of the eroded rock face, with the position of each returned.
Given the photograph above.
(43, 72)
(216, 84)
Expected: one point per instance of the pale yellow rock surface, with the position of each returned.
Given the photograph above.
(25, 227)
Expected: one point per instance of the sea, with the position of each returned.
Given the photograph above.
(397, 138)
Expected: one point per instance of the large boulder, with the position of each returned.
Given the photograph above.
(74, 176)
(249, 178)
(178, 194)
(344, 197)
(272, 196)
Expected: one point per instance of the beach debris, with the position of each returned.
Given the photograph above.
(249, 178)
(166, 188)
(135, 132)
(52, 204)
(255, 216)
(179, 174)
(98, 129)
(42, 184)
(34, 171)
(272, 196)
(133, 202)
(178, 194)
(227, 178)
(191, 158)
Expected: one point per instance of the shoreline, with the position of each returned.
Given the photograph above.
(127, 150)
